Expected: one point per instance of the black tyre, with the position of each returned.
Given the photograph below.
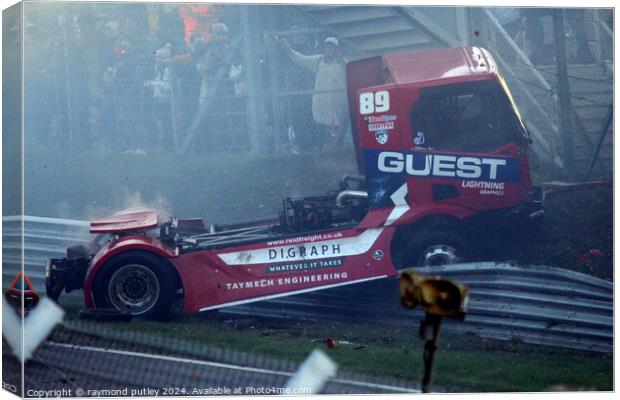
(437, 246)
(77, 252)
(136, 282)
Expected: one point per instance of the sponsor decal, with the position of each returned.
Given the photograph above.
(304, 251)
(381, 126)
(288, 281)
(304, 265)
(399, 198)
(259, 283)
(305, 239)
(377, 255)
(419, 139)
(324, 249)
(486, 188)
(424, 164)
(376, 102)
(373, 119)
(382, 137)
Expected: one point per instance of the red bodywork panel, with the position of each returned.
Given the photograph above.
(431, 65)
(133, 219)
(127, 243)
(234, 275)
(227, 277)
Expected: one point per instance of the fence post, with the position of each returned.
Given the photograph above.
(174, 107)
(65, 20)
(564, 94)
(463, 23)
(275, 102)
(252, 69)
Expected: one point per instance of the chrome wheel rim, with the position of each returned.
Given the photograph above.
(440, 254)
(133, 288)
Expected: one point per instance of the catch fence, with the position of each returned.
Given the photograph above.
(524, 42)
(143, 78)
(153, 77)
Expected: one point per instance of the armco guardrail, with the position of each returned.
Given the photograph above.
(536, 304)
(42, 238)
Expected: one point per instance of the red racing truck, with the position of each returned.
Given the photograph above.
(443, 160)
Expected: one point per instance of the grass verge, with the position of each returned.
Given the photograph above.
(463, 363)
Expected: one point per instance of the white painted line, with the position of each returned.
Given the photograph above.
(168, 358)
(221, 365)
(375, 386)
(274, 296)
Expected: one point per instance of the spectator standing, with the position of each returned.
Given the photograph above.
(161, 86)
(329, 100)
(127, 82)
(532, 35)
(302, 130)
(536, 36)
(184, 66)
(171, 27)
(213, 66)
(576, 19)
(236, 75)
(216, 89)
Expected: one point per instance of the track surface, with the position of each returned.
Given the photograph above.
(73, 364)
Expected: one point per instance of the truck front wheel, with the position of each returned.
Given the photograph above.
(136, 282)
(433, 247)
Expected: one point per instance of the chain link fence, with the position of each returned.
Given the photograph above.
(148, 77)
(184, 78)
(524, 42)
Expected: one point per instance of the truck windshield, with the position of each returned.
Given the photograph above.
(473, 116)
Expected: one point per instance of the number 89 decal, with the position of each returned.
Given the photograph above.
(374, 102)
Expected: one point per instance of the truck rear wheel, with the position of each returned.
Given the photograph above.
(136, 282)
(434, 247)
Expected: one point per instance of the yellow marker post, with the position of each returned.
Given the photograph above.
(439, 298)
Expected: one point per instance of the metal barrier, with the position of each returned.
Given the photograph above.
(535, 304)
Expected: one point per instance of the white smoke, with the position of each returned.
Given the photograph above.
(132, 199)
(125, 199)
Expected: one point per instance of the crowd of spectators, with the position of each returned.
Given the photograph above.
(144, 79)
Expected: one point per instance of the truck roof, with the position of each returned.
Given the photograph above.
(435, 64)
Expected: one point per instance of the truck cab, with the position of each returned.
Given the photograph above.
(442, 127)
(443, 166)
